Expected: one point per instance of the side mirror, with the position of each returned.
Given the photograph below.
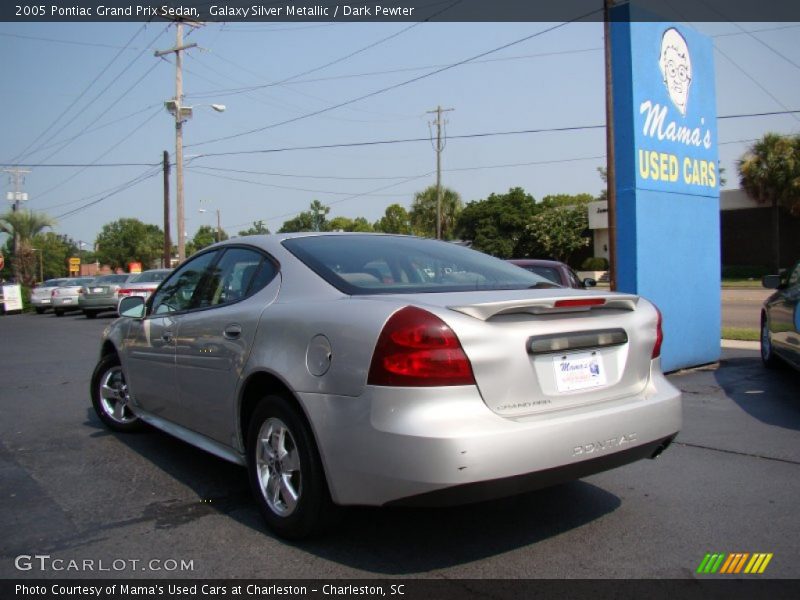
(131, 306)
(771, 282)
(589, 282)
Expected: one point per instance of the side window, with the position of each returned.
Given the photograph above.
(233, 277)
(179, 290)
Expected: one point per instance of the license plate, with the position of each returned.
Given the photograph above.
(142, 294)
(97, 290)
(46, 301)
(579, 371)
(67, 300)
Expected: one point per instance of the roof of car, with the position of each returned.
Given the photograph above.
(535, 262)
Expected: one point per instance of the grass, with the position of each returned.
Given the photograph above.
(743, 334)
(730, 282)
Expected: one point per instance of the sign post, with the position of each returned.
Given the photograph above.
(668, 246)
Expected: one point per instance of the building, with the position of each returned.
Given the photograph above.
(745, 228)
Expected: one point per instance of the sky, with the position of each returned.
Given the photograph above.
(93, 94)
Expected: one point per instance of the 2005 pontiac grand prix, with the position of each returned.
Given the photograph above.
(364, 369)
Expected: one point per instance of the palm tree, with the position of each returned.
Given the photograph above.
(770, 173)
(423, 212)
(24, 225)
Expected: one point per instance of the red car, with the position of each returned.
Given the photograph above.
(555, 271)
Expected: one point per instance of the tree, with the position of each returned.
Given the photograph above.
(23, 225)
(205, 236)
(498, 225)
(560, 230)
(310, 220)
(129, 240)
(770, 173)
(53, 252)
(348, 224)
(258, 228)
(423, 212)
(394, 220)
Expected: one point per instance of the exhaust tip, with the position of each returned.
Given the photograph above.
(663, 446)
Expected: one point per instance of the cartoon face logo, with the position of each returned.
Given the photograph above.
(676, 68)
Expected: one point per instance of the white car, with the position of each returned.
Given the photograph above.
(41, 295)
(64, 298)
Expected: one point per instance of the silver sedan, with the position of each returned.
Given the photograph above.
(362, 369)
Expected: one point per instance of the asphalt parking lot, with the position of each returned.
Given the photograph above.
(74, 491)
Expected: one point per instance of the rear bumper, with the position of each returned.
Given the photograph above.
(41, 302)
(65, 303)
(434, 446)
(102, 303)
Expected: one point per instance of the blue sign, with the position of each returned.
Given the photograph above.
(673, 96)
(665, 140)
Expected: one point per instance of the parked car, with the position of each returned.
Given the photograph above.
(41, 298)
(780, 319)
(555, 271)
(101, 295)
(368, 369)
(143, 284)
(64, 298)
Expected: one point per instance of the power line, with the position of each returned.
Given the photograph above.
(374, 143)
(71, 42)
(85, 90)
(396, 85)
(127, 185)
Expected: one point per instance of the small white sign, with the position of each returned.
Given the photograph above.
(579, 371)
(12, 297)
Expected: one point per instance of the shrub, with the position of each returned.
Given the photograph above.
(595, 263)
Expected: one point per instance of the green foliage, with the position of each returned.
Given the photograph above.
(129, 240)
(561, 230)
(498, 225)
(566, 200)
(205, 236)
(424, 209)
(313, 219)
(770, 171)
(55, 251)
(394, 220)
(348, 224)
(258, 228)
(595, 263)
(24, 225)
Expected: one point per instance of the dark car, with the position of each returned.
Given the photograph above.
(555, 271)
(780, 319)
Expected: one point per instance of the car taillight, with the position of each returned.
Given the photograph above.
(579, 302)
(415, 349)
(124, 292)
(659, 334)
(54, 293)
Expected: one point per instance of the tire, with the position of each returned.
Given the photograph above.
(767, 352)
(59, 313)
(39, 310)
(90, 314)
(110, 396)
(302, 506)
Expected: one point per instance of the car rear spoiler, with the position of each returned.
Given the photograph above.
(551, 305)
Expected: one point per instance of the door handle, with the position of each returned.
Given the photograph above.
(167, 336)
(232, 331)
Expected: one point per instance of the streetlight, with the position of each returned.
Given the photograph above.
(219, 225)
(182, 114)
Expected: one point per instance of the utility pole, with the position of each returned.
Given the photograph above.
(17, 178)
(438, 148)
(219, 228)
(182, 113)
(167, 240)
(611, 171)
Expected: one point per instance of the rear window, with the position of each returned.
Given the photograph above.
(149, 277)
(550, 273)
(376, 264)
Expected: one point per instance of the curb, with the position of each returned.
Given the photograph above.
(740, 345)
